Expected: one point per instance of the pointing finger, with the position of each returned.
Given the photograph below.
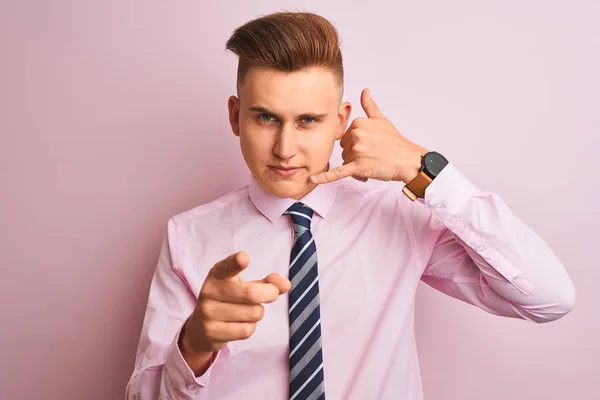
(255, 292)
(336, 173)
(283, 284)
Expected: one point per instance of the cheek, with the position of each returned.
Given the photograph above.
(320, 145)
(255, 140)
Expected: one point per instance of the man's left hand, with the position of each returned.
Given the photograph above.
(374, 148)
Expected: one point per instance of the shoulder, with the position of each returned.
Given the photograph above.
(211, 210)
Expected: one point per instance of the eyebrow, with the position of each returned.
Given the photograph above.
(305, 115)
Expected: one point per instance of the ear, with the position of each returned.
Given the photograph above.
(343, 117)
(234, 114)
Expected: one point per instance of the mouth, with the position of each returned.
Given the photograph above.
(284, 171)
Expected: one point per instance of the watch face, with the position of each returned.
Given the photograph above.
(434, 163)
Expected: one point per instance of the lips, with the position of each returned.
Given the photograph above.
(285, 170)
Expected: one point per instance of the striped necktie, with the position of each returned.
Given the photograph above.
(306, 355)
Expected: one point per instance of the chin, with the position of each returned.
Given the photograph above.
(286, 189)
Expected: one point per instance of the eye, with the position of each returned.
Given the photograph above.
(266, 117)
(308, 120)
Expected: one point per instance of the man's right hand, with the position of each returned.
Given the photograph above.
(227, 309)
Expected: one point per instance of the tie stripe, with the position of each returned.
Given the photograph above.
(306, 350)
(306, 291)
(301, 316)
(293, 351)
(305, 268)
(300, 251)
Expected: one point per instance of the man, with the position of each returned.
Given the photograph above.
(300, 286)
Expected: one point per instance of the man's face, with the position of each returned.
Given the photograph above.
(287, 124)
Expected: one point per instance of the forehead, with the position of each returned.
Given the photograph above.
(310, 88)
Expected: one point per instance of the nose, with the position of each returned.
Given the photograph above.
(285, 145)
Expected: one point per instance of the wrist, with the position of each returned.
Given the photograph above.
(198, 361)
(432, 163)
(414, 166)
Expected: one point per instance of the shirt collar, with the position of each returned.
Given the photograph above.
(320, 200)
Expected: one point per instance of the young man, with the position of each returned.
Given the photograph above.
(218, 325)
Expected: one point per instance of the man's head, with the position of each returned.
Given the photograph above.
(288, 113)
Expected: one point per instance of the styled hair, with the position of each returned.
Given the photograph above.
(288, 42)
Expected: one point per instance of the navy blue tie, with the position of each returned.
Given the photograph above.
(307, 378)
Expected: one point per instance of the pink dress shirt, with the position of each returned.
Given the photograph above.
(373, 246)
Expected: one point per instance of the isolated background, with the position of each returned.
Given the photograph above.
(113, 118)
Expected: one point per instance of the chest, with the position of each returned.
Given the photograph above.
(363, 263)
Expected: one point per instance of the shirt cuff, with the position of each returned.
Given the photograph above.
(449, 191)
(447, 196)
(181, 374)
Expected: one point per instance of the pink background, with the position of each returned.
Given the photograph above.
(113, 118)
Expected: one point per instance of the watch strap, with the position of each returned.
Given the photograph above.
(416, 188)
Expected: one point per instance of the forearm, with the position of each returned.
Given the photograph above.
(524, 280)
(490, 258)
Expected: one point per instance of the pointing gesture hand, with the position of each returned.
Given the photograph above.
(374, 148)
(227, 309)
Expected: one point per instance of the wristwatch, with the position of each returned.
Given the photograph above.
(432, 164)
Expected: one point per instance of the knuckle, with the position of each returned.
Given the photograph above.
(357, 135)
(207, 291)
(360, 121)
(204, 293)
(250, 294)
(247, 330)
(257, 313)
(338, 172)
(205, 308)
(209, 329)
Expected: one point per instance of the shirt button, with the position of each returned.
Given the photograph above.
(438, 206)
(191, 386)
(480, 248)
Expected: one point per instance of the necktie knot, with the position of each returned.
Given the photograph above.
(301, 216)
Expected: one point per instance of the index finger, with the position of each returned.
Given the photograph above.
(231, 266)
(255, 292)
(336, 173)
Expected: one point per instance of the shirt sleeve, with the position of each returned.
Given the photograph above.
(484, 255)
(160, 370)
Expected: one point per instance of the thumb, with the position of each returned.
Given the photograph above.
(369, 105)
(231, 266)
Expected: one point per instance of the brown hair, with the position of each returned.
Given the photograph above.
(287, 41)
